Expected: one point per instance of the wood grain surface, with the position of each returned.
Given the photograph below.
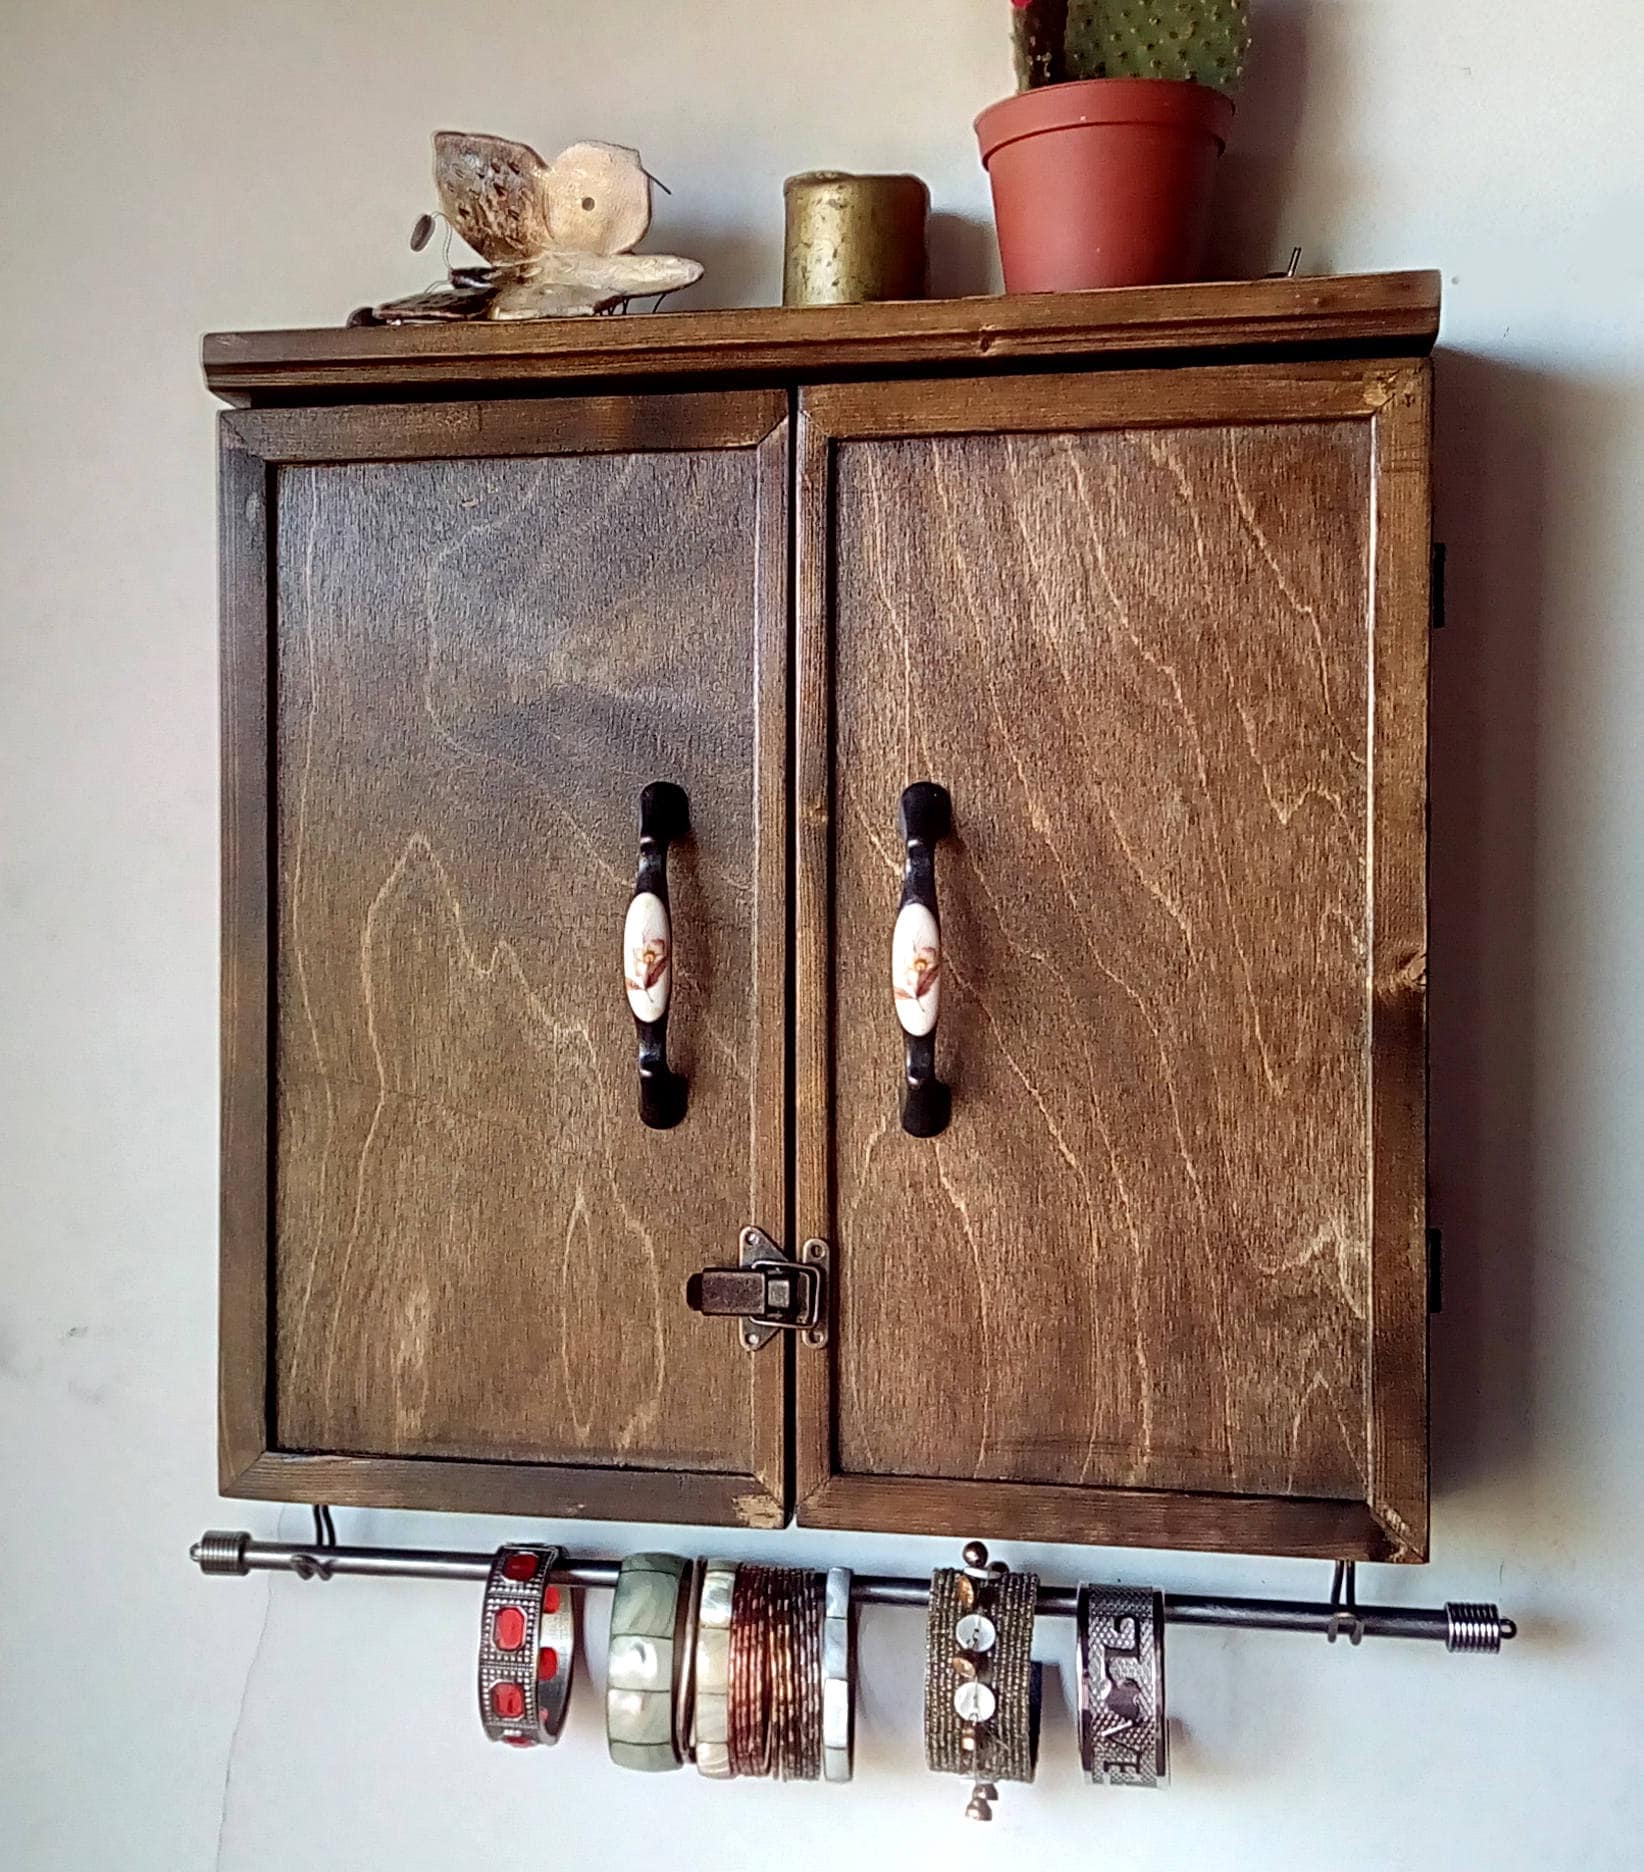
(1311, 1527)
(243, 500)
(1139, 656)
(1399, 1462)
(1385, 313)
(478, 1251)
(1162, 635)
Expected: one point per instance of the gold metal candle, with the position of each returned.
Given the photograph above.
(853, 237)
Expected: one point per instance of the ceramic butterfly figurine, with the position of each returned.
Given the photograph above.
(557, 236)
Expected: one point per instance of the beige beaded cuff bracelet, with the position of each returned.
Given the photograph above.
(981, 1714)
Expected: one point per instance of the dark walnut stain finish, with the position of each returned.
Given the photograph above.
(1381, 313)
(1139, 1255)
(478, 1251)
(242, 1287)
(1161, 632)
(1143, 1256)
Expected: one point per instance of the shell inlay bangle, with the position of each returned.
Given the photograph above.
(711, 1714)
(648, 1657)
(527, 1651)
(838, 1677)
(1123, 1737)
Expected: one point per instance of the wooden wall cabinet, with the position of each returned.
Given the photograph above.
(1142, 579)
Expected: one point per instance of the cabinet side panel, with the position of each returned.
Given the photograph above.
(482, 1252)
(1398, 1447)
(1139, 660)
(242, 1286)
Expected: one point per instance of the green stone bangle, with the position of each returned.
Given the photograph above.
(648, 1655)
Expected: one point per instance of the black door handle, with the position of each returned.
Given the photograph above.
(648, 953)
(926, 815)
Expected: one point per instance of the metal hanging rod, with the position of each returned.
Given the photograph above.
(1458, 1626)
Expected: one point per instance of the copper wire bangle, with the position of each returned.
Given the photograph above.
(774, 1725)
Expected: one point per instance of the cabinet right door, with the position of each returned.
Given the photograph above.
(1162, 637)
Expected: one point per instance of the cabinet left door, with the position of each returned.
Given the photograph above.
(459, 639)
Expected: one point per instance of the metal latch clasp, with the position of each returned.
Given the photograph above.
(767, 1292)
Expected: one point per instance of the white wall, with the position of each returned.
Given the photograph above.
(193, 164)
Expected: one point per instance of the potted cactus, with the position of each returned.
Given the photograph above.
(1102, 164)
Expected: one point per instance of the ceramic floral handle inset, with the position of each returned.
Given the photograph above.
(926, 815)
(647, 953)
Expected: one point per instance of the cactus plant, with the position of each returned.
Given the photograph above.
(1201, 40)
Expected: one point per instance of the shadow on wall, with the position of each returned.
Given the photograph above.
(1492, 489)
(743, 265)
(964, 257)
(1256, 178)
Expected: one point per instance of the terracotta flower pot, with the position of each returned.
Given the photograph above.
(1103, 181)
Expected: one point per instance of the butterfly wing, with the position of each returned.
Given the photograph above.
(495, 193)
(598, 199)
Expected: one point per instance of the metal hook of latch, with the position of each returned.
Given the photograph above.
(1344, 1604)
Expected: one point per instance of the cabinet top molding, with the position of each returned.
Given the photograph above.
(1367, 314)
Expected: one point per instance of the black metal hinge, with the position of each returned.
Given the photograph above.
(1435, 587)
(1435, 1270)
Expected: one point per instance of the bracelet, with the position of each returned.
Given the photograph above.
(776, 1673)
(838, 1678)
(685, 1684)
(748, 1733)
(710, 1715)
(647, 1662)
(1123, 1735)
(759, 1678)
(981, 1702)
(527, 1652)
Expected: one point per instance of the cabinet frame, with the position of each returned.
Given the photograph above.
(1392, 396)
(253, 447)
(1269, 351)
